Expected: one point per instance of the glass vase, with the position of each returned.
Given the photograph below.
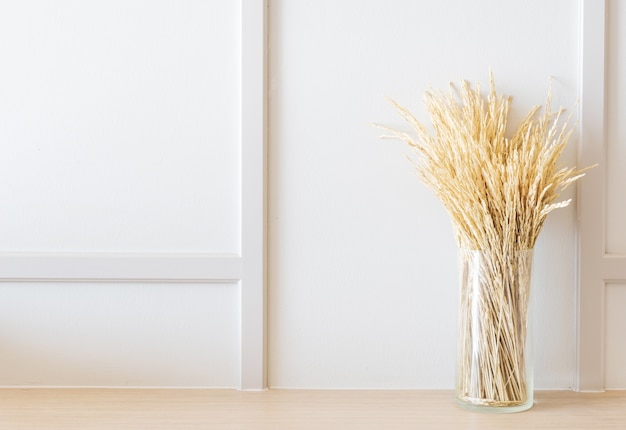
(494, 352)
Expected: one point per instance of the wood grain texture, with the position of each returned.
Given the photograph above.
(95, 409)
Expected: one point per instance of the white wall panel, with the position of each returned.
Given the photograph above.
(615, 336)
(615, 291)
(362, 261)
(602, 259)
(616, 129)
(116, 334)
(125, 258)
(119, 126)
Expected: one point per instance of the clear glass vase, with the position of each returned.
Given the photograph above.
(494, 353)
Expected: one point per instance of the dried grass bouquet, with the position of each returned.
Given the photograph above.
(498, 191)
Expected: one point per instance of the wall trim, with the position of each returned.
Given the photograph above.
(131, 267)
(247, 270)
(591, 199)
(254, 186)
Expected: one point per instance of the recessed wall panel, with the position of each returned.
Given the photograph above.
(120, 334)
(615, 337)
(119, 126)
(616, 129)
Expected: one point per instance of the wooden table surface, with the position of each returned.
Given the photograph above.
(172, 409)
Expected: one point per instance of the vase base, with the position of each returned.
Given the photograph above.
(494, 409)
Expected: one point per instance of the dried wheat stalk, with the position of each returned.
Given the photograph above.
(498, 191)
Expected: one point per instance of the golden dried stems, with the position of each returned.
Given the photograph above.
(492, 355)
(498, 190)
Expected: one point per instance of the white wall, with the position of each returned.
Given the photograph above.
(362, 275)
(119, 135)
(119, 119)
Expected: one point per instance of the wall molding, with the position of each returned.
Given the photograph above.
(589, 374)
(597, 267)
(254, 185)
(247, 270)
(116, 267)
(591, 199)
